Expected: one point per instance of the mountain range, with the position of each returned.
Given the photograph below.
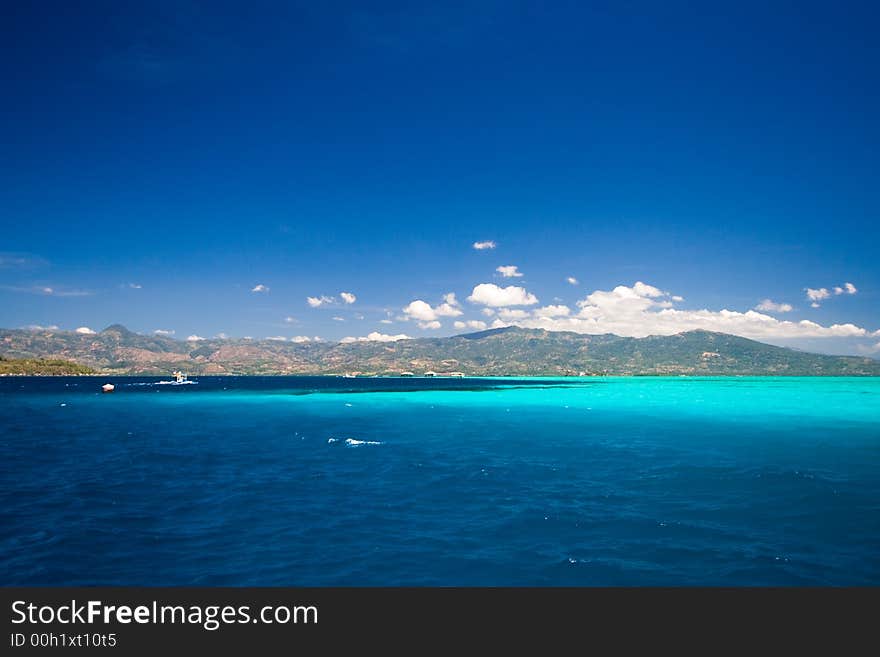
(509, 351)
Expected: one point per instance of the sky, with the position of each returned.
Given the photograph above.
(338, 170)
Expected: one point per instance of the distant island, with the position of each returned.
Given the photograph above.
(507, 351)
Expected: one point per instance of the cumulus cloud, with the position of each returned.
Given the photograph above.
(348, 297)
(430, 325)
(164, 332)
(471, 323)
(194, 338)
(222, 336)
(489, 294)
(644, 290)
(509, 271)
(768, 305)
(482, 246)
(386, 321)
(512, 313)
(822, 293)
(299, 339)
(259, 287)
(638, 311)
(85, 330)
(377, 337)
(571, 280)
(552, 311)
(488, 312)
(317, 302)
(276, 338)
(425, 312)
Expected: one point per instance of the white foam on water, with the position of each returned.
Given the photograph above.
(332, 440)
(351, 442)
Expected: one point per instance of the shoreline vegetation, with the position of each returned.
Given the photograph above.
(43, 367)
(504, 352)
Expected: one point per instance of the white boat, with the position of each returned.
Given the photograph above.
(179, 380)
(107, 387)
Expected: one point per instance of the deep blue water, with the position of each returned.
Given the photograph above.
(618, 481)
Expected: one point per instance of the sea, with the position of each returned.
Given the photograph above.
(330, 481)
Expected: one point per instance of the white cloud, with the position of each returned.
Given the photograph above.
(317, 302)
(164, 332)
(259, 287)
(135, 286)
(386, 321)
(85, 330)
(510, 313)
(377, 337)
(222, 336)
(480, 246)
(336, 318)
(509, 271)
(571, 280)
(471, 323)
(552, 311)
(644, 290)
(637, 312)
(488, 312)
(48, 291)
(489, 294)
(290, 320)
(817, 295)
(423, 311)
(348, 297)
(768, 305)
(822, 293)
(430, 325)
(37, 327)
(676, 298)
(276, 338)
(358, 316)
(300, 339)
(194, 338)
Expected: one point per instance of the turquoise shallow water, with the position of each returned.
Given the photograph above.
(325, 481)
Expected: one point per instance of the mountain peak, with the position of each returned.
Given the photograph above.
(118, 328)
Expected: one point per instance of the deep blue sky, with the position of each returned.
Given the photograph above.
(724, 154)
